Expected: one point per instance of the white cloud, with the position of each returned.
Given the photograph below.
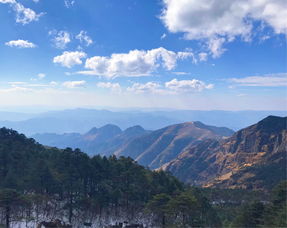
(273, 80)
(84, 38)
(183, 86)
(217, 23)
(215, 46)
(26, 84)
(171, 87)
(69, 59)
(15, 89)
(163, 36)
(69, 3)
(7, 1)
(61, 38)
(23, 15)
(241, 95)
(74, 84)
(180, 73)
(202, 56)
(149, 87)
(115, 87)
(134, 63)
(41, 75)
(20, 44)
(53, 83)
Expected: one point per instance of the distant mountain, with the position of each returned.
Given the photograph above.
(161, 146)
(15, 116)
(82, 120)
(104, 140)
(253, 158)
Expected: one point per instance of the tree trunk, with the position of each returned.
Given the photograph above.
(70, 209)
(7, 217)
(163, 221)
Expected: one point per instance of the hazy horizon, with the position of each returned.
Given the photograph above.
(43, 109)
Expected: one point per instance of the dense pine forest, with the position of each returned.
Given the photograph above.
(39, 184)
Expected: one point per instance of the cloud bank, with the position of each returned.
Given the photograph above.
(134, 63)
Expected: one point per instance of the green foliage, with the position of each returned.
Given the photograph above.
(188, 208)
(273, 214)
(75, 181)
(251, 216)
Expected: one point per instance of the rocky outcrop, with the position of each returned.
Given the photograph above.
(254, 157)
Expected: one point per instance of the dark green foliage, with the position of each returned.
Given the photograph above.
(46, 175)
(276, 215)
(273, 214)
(251, 216)
(186, 209)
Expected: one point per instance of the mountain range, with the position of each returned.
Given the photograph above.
(198, 154)
(161, 146)
(103, 141)
(254, 157)
(82, 120)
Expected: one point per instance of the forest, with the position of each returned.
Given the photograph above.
(39, 183)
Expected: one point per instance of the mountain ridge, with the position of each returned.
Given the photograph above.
(82, 120)
(224, 164)
(162, 145)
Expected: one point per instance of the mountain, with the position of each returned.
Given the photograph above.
(15, 116)
(163, 145)
(82, 120)
(104, 140)
(254, 157)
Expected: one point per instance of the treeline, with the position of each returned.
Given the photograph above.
(43, 184)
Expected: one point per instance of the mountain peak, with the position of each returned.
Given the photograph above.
(223, 131)
(93, 131)
(273, 123)
(134, 129)
(109, 128)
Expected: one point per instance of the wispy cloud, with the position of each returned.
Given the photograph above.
(114, 87)
(170, 87)
(84, 38)
(69, 3)
(60, 38)
(74, 84)
(23, 15)
(149, 87)
(180, 73)
(163, 36)
(271, 80)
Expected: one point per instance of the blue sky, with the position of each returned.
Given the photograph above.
(144, 54)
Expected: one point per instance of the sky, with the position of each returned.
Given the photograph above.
(179, 54)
